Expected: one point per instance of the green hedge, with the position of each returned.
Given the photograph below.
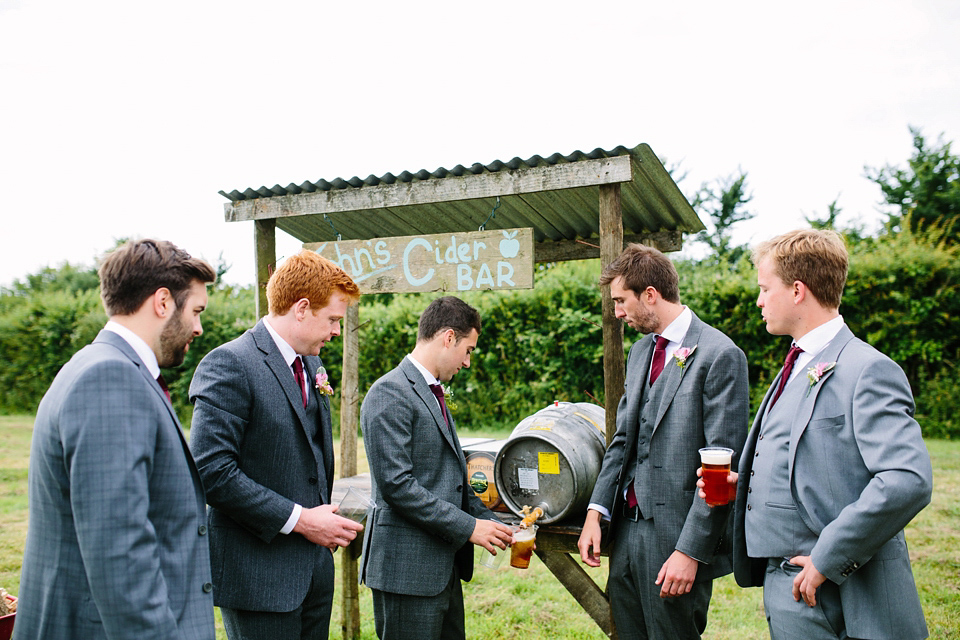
(545, 344)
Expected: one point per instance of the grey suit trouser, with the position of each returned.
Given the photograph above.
(792, 620)
(309, 621)
(638, 610)
(403, 617)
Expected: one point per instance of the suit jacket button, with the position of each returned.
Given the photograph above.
(202, 529)
(459, 487)
(749, 507)
(207, 587)
(312, 481)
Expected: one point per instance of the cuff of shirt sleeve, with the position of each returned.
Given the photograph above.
(292, 520)
(602, 510)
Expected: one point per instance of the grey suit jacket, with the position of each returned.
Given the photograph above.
(705, 403)
(425, 509)
(250, 440)
(116, 545)
(859, 472)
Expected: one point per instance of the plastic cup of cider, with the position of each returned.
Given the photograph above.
(522, 549)
(715, 462)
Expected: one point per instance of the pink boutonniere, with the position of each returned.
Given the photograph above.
(815, 373)
(681, 355)
(322, 383)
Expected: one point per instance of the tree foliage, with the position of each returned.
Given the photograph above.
(724, 203)
(926, 192)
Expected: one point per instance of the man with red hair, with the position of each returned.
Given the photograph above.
(263, 443)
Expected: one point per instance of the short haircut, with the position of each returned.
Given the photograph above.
(307, 275)
(640, 267)
(815, 257)
(134, 271)
(448, 313)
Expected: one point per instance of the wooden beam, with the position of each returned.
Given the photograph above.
(265, 248)
(584, 590)
(611, 244)
(564, 250)
(582, 173)
(349, 421)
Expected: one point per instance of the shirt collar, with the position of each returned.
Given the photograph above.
(427, 376)
(138, 344)
(676, 331)
(286, 351)
(814, 341)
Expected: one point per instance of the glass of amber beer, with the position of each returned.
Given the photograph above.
(716, 467)
(522, 548)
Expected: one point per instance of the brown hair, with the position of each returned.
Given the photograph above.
(311, 276)
(640, 267)
(445, 313)
(815, 257)
(134, 271)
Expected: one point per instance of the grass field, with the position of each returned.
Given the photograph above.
(531, 604)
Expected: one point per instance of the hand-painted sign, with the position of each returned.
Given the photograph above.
(467, 261)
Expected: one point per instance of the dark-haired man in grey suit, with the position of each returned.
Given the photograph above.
(264, 447)
(117, 544)
(835, 465)
(685, 388)
(427, 518)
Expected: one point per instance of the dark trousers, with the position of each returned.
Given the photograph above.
(402, 617)
(638, 610)
(309, 621)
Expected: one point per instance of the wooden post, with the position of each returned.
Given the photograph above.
(582, 587)
(265, 246)
(611, 244)
(349, 421)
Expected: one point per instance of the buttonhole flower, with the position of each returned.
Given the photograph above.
(815, 373)
(448, 397)
(681, 355)
(323, 383)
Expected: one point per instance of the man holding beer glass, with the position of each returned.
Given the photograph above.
(834, 466)
(427, 518)
(686, 388)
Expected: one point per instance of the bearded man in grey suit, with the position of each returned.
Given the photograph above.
(685, 388)
(116, 544)
(264, 446)
(835, 463)
(427, 518)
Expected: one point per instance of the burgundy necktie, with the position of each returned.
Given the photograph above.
(438, 391)
(298, 374)
(163, 385)
(787, 368)
(659, 355)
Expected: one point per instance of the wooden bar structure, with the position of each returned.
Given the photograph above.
(579, 206)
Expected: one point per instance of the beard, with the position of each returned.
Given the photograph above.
(646, 322)
(174, 339)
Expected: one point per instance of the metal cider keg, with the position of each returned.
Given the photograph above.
(551, 460)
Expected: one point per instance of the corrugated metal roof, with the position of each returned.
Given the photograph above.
(557, 195)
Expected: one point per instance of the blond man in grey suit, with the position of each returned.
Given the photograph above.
(835, 463)
(685, 388)
(427, 518)
(117, 544)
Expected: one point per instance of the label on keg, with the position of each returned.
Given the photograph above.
(528, 479)
(548, 462)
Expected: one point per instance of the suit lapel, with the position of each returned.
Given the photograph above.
(281, 370)
(831, 353)
(313, 363)
(426, 396)
(673, 373)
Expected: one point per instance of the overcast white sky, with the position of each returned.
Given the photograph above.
(122, 118)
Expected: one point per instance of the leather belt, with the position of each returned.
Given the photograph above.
(632, 513)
